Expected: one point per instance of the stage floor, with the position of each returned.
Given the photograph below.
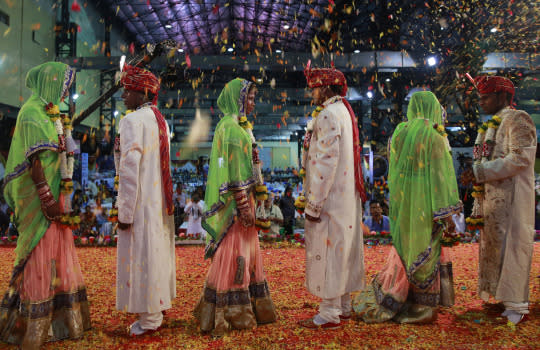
(467, 325)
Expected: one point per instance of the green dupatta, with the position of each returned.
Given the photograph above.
(231, 167)
(423, 188)
(35, 132)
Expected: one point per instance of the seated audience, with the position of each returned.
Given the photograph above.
(377, 222)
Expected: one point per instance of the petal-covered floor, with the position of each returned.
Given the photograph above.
(467, 325)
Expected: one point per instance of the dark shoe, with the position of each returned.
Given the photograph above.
(308, 323)
(498, 307)
(345, 317)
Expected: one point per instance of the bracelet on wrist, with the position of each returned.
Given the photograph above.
(46, 197)
(49, 203)
(43, 189)
(42, 183)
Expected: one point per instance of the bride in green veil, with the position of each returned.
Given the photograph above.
(423, 198)
(46, 299)
(236, 293)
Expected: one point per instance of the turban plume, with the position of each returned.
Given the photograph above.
(318, 77)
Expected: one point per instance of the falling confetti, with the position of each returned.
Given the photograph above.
(75, 7)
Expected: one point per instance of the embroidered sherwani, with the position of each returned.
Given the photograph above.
(506, 243)
(334, 246)
(146, 276)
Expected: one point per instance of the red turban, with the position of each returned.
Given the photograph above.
(138, 79)
(330, 76)
(318, 77)
(488, 84)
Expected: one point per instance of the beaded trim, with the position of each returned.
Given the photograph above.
(243, 95)
(69, 76)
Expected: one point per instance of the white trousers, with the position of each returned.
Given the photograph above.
(520, 308)
(330, 309)
(150, 320)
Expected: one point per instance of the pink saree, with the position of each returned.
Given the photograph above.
(236, 293)
(47, 300)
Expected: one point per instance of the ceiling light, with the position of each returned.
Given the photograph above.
(493, 30)
(431, 61)
(356, 51)
(168, 26)
(369, 94)
(286, 26)
(278, 51)
(180, 50)
(230, 49)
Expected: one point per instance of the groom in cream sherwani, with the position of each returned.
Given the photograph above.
(334, 190)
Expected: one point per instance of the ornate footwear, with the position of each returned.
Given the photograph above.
(308, 323)
(514, 317)
(135, 330)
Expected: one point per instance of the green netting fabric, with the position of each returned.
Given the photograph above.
(35, 132)
(231, 166)
(423, 188)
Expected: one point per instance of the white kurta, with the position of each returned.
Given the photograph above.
(507, 241)
(146, 272)
(194, 212)
(334, 246)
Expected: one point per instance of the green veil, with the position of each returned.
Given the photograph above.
(35, 132)
(423, 188)
(231, 167)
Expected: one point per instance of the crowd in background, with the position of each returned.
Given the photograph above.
(93, 203)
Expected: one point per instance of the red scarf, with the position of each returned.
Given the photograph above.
(164, 156)
(357, 149)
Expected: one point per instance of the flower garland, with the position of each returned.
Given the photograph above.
(66, 150)
(245, 123)
(113, 212)
(440, 129)
(261, 191)
(482, 151)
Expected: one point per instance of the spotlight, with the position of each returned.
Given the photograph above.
(278, 51)
(75, 96)
(230, 49)
(168, 26)
(494, 30)
(432, 61)
(357, 51)
(180, 50)
(286, 26)
(369, 94)
(115, 113)
(387, 80)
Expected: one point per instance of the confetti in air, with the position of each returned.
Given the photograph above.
(199, 130)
